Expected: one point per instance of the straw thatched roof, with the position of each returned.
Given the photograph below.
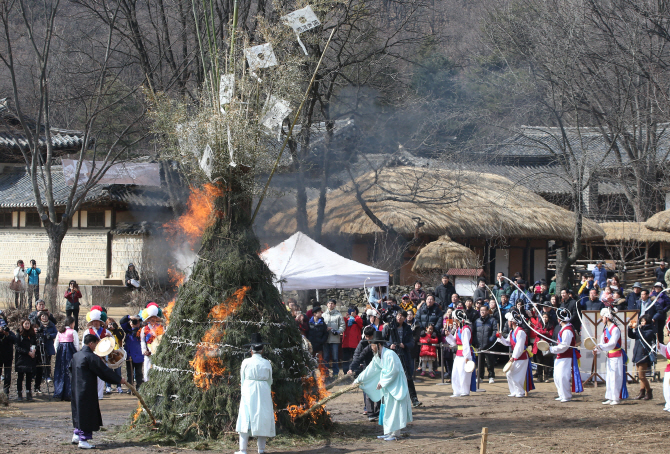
(633, 231)
(459, 204)
(443, 254)
(659, 221)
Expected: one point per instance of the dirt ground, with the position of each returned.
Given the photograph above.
(443, 424)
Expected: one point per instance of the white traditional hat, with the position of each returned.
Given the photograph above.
(608, 312)
(563, 314)
(461, 316)
(372, 313)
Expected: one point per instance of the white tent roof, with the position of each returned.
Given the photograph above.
(301, 263)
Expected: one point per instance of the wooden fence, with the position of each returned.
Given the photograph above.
(641, 271)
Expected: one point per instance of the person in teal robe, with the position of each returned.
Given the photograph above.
(385, 378)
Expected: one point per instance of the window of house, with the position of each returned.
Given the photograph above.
(33, 220)
(5, 220)
(96, 219)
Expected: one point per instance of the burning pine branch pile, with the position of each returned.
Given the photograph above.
(194, 386)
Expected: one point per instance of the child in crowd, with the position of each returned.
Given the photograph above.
(66, 345)
(447, 351)
(428, 353)
(133, 346)
(546, 362)
(118, 334)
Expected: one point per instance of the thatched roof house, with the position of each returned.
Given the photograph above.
(444, 254)
(459, 204)
(659, 222)
(633, 232)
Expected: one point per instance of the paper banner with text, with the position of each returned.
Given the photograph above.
(300, 21)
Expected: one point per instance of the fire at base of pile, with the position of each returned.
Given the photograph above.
(194, 387)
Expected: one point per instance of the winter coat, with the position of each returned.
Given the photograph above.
(429, 345)
(600, 277)
(406, 338)
(631, 301)
(72, 297)
(335, 322)
(662, 303)
(48, 333)
(352, 332)
(443, 294)
(586, 288)
(589, 305)
(23, 362)
(480, 293)
(131, 274)
(33, 275)
(500, 290)
(20, 276)
(666, 278)
(362, 357)
(651, 309)
(429, 315)
(7, 341)
(641, 350)
(524, 297)
(408, 306)
(33, 318)
(86, 367)
(417, 295)
(318, 334)
(132, 344)
(571, 305)
(660, 274)
(546, 330)
(485, 331)
(472, 314)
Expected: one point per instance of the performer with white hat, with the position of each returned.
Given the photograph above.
(566, 363)
(664, 350)
(96, 319)
(385, 377)
(256, 415)
(150, 334)
(616, 359)
(520, 374)
(461, 380)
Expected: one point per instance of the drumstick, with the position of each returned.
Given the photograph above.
(144, 405)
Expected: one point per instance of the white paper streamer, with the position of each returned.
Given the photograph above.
(230, 149)
(207, 161)
(300, 21)
(226, 90)
(276, 111)
(260, 57)
(188, 139)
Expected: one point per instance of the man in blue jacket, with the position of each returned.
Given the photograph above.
(33, 283)
(486, 328)
(634, 297)
(133, 346)
(600, 275)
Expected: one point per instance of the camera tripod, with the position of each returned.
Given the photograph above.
(44, 365)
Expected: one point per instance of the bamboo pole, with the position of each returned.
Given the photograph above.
(144, 405)
(339, 380)
(328, 399)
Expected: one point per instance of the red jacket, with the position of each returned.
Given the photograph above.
(428, 345)
(352, 334)
(546, 331)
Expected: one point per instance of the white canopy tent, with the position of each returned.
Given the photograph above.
(300, 263)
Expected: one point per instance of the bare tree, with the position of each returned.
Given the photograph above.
(107, 105)
(595, 68)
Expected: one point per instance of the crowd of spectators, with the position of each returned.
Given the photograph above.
(429, 318)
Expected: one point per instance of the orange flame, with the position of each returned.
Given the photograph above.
(197, 217)
(137, 413)
(314, 389)
(207, 363)
(176, 277)
(168, 310)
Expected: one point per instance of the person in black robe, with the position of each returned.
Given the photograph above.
(86, 367)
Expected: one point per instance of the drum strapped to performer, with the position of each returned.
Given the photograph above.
(110, 352)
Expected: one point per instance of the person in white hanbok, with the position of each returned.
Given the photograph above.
(461, 380)
(610, 343)
(518, 373)
(566, 369)
(256, 415)
(385, 378)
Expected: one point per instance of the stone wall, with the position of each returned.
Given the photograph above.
(126, 249)
(83, 254)
(150, 255)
